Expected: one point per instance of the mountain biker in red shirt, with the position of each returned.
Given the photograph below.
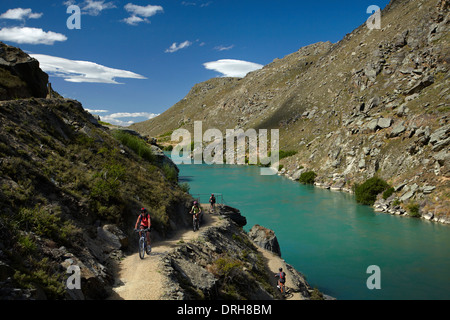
(144, 222)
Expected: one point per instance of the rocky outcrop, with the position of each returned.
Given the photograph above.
(223, 264)
(265, 238)
(20, 75)
(233, 214)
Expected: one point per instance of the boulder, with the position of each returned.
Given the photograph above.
(233, 214)
(440, 134)
(384, 123)
(397, 130)
(21, 75)
(265, 238)
(426, 82)
(196, 276)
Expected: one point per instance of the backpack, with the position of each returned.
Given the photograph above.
(282, 276)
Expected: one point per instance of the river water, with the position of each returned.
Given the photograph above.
(333, 240)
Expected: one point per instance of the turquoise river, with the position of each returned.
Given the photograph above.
(331, 239)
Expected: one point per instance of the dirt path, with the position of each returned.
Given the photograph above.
(141, 279)
(274, 262)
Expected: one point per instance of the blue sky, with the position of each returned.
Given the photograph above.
(134, 59)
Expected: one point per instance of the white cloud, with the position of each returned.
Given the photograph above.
(96, 111)
(175, 47)
(30, 36)
(20, 14)
(94, 8)
(91, 7)
(115, 118)
(82, 71)
(223, 48)
(232, 68)
(140, 13)
(135, 20)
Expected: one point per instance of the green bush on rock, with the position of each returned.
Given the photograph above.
(307, 177)
(367, 192)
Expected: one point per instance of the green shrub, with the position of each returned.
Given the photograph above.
(414, 210)
(317, 295)
(185, 187)
(170, 173)
(285, 154)
(388, 192)
(108, 181)
(139, 146)
(43, 223)
(367, 192)
(26, 244)
(307, 177)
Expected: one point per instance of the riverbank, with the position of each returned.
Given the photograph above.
(393, 205)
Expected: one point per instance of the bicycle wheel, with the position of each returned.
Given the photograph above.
(141, 248)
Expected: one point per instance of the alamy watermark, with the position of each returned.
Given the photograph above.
(74, 21)
(74, 280)
(213, 153)
(374, 281)
(374, 21)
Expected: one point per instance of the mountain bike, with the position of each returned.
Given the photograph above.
(143, 246)
(195, 222)
(282, 288)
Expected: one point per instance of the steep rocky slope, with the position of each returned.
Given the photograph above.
(375, 103)
(70, 194)
(70, 189)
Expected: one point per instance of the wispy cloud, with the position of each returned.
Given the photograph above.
(141, 13)
(92, 7)
(232, 68)
(25, 35)
(175, 47)
(191, 3)
(126, 118)
(223, 48)
(96, 111)
(82, 71)
(20, 14)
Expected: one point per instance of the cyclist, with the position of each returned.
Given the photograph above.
(144, 222)
(196, 212)
(281, 279)
(212, 201)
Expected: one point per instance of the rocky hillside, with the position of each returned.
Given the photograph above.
(71, 189)
(70, 195)
(375, 103)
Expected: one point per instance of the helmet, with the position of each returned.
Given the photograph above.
(281, 269)
(195, 202)
(143, 210)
